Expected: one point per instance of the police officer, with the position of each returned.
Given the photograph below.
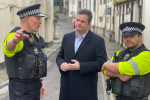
(129, 69)
(24, 58)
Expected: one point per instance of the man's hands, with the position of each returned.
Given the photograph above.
(67, 67)
(113, 71)
(20, 36)
(103, 69)
(75, 66)
(124, 78)
(11, 43)
(113, 67)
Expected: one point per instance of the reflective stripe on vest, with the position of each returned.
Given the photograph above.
(135, 66)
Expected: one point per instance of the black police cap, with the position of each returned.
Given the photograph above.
(131, 28)
(33, 10)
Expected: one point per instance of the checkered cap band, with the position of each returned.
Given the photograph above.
(29, 13)
(127, 29)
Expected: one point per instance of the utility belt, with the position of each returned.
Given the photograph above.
(24, 80)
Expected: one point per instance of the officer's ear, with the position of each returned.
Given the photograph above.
(140, 37)
(27, 19)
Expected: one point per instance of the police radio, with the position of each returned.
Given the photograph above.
(108, 89)
(39, 67)
(29, 40)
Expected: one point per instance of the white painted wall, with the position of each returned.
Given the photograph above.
(101, 13)
(70, 8)
(65, 6)
(73, 8)
(146, 22)
(127, 18)
(89, 4)
(110, 4)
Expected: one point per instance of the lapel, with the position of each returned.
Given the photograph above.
(72, 40)
(84, 42)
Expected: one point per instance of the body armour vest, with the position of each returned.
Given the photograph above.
(138, 86)
(28, 63)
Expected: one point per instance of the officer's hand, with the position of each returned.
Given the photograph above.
(103, 69)
(75, 66)
(124, 78)
(65, 67)
(42, 91)
(20, 36)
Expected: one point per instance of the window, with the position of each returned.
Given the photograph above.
(127, 9)
(120, 10)
(104, 1)
(113, 20)
(66, 2)
(79, 4)
(101, 19)
(94, 5)
(100, 2)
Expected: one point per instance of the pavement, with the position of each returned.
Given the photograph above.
(111, 47)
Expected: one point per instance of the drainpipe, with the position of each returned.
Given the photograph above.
(77, 5)
(94, 15)
(114, 22)
(72, 12)
(97, 16)
(140, 10)
(105, 21)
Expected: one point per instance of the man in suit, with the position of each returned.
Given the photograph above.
(79, 60)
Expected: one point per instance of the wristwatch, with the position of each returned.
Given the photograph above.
(41, 79)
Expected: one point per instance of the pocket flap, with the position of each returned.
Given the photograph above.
(29, 61)
(29, 58)
(135, 82)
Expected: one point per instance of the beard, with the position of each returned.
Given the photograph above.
(132, 46)
(34, 30)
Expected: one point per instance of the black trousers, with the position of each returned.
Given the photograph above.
(24, 89)
(128, 98)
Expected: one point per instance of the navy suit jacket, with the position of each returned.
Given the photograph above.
(91, 54)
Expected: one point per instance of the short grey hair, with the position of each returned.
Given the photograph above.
(86, 12)
(22, 20)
